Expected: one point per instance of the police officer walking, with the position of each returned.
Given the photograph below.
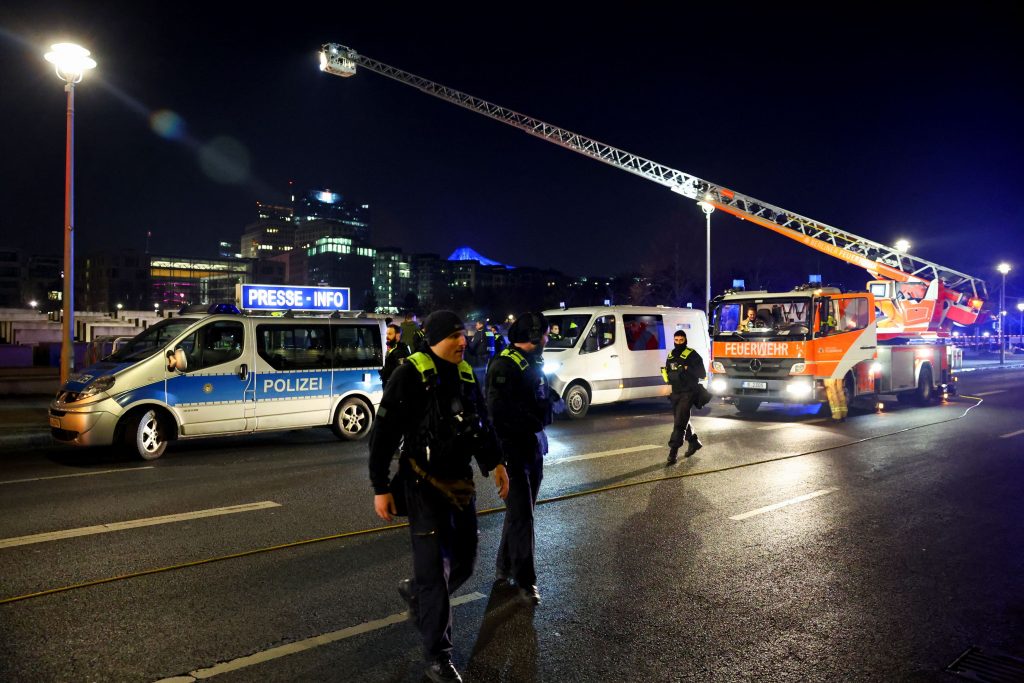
(683, 368)
(480, 350)
(396, 354)
(434, 408)
(520, 406)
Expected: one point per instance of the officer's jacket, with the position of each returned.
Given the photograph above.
(405, 408)
(517, 398)
(683, 369)
(480, 348)
(395, 357)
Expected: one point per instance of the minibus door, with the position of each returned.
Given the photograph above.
(209, 379)
(601, 360)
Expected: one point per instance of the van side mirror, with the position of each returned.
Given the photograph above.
(177, 360)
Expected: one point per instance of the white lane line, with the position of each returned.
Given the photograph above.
(1016, 433)
(791, 501)
(80, 474)
(303, 645)
(132, 524)
(990, 393)
(603, 454)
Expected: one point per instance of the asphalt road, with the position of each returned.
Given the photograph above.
(788, 549)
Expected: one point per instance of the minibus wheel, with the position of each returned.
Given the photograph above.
(144, 434)
(352, 419)
(577, 401)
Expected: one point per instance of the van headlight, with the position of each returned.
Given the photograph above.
(719, 386)
(551, 366)
(97, 386)
(717, 366)
(799, 388)
(797, 368)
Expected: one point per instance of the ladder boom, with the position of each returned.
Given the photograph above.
(876, 258)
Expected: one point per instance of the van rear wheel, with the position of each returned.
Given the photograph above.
(352, 420)
(577, 401)
(144, 435)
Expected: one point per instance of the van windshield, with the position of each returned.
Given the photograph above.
(150, 341)
(565, 330)
(763, 319)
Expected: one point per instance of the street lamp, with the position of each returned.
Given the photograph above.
(902, 246)
(708, 208)
(71, 62)
(1003, 268)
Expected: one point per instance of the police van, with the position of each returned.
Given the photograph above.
(225, 373)
(604, 354)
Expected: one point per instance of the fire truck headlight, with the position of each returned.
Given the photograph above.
(718, 367)
(797, 368)
(719, 386)
(799, 389)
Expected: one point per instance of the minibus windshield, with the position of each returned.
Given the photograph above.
(565, 330)
(763, 319)
(150, 341)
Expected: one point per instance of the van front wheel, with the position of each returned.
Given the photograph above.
(144, 435)
(352, 419)
(577, 402)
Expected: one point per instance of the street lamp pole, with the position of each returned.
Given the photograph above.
(708, 209)
(71, 61)
(1003, 268)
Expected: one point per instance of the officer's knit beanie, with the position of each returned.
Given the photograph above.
(524, 324)
(440, 324)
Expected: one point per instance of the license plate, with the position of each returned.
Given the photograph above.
(55, 422)
(755, 385)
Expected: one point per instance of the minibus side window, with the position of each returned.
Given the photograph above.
(357, 346)
(213, 344)
(644, 332)
(602, 334)
(295, 347)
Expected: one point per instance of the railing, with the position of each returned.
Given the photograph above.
(989, 343)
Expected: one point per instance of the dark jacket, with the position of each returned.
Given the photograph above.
(394, 358)
(684, 370)
(405, 411)
(479, 348)
(518, 400)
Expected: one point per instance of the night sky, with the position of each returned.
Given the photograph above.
(885, 122)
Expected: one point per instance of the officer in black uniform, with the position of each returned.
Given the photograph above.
(521, 406)
(433, 407)
(683, 368)
(397, 352)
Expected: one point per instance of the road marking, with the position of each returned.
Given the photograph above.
(791, 501)
(132, 524)
(990, 393)
(603, 454)
(1016, 433)
(303, 645)
(80, 474)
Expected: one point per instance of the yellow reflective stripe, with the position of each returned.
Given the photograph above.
(466, 372)
(516, 356)
(423, 364)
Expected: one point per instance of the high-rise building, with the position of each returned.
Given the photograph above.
(272, 233)
(322, 213)
(392, 279)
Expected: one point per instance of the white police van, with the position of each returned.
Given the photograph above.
(225, 373)
(604, 354)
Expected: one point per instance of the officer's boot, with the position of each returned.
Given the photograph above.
(673, 456)
(695, 445)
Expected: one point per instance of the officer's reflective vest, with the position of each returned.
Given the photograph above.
(516, 356)
(683, 356)
(424, 364)
(490, 342)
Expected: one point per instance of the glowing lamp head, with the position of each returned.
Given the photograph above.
(71, 61)
(1004, 268)
(902, 246)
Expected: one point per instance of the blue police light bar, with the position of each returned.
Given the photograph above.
(815, 279)
(284, 297)
(739, 284)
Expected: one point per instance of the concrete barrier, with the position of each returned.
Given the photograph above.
(36, 336)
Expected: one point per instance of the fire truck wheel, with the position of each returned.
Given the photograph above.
(747, 406)
(925, 391)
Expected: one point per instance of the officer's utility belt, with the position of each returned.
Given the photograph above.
(459, 492)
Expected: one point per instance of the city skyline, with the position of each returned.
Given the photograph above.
(875, 127)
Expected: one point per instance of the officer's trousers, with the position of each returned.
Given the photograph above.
(682, 402)
(444, 541)
(516, 550)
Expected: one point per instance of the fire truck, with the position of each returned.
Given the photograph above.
(890, 338)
